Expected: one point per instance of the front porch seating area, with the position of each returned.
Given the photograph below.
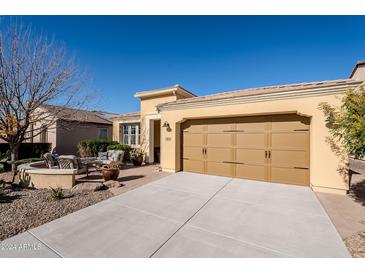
(111, 156)
(60, 171)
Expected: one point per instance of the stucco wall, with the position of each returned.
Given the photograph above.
(324, 163)
(148, 106)
(70, 134)
(359, 73)
(51, 135)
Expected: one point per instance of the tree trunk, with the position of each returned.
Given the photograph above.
(14, 149)
(14, 156)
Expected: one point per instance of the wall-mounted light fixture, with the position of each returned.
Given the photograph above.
(166, 125)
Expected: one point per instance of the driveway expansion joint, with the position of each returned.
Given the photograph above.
(219, 190)
(50, 248)
(277, 252)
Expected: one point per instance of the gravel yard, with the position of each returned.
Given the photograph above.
(23, 209)
(356, 245)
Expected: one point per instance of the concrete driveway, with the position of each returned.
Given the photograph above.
(190, 215)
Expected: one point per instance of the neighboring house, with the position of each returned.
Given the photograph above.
(274, 134)
(72, 126)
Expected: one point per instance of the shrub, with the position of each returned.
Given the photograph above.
(90, 148)
(26, 161)
(28, 150)
(347, 124)
(4, 158)
(126, 148)
(57, 193)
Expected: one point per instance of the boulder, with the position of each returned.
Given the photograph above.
(87, 187)
(112, 184)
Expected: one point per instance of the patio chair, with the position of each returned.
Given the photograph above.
(72, 162)
(50, 160)
(111, 156)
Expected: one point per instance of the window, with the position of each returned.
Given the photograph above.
(130, 134)
(103, 133)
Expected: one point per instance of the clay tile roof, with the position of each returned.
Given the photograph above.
(71, 114)
(131, 115)
(261, 90)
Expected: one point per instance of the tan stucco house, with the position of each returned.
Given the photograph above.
(273, 134)
(72, 126)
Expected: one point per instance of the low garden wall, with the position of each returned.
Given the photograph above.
(37, 175)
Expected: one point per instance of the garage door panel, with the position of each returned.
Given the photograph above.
(193, 139)
(290, 158)
(268, 148)
(220, 169)
(220, 125)
(219, 139)
(193, 153)
(254, 172)
(253, 140)
(250, 156)
(289, 123)
(295, 140)
(251, 124)
(290, 175)
(194, 126)
(193, 166)
(219, 154)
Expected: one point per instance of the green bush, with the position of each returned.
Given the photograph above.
(90, 148)
(126, 148)
(26, 161)
(4, 158)
(347, 124)
(27, 150)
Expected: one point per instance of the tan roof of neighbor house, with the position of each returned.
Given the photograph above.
(262, 90)
(71, 114)
(130, 115)
(164, 91)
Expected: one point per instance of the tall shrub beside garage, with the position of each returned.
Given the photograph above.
(347, 124)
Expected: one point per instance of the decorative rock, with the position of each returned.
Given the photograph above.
(112, 184)
(87, 187)
(157, 169)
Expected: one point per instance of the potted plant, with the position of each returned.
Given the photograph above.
(137, 156)
(110, 171)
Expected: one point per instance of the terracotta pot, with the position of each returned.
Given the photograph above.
(137, 161)
(109, 173)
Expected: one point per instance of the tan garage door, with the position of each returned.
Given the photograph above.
(267, 148)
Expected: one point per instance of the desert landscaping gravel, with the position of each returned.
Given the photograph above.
(23, 209)
(356, 245)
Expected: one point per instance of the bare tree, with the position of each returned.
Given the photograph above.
(34, 71)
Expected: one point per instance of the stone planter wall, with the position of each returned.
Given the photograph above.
(35, 175)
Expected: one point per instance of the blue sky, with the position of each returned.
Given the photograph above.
(204, 54)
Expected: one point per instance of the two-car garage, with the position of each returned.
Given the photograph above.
(272, 148)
